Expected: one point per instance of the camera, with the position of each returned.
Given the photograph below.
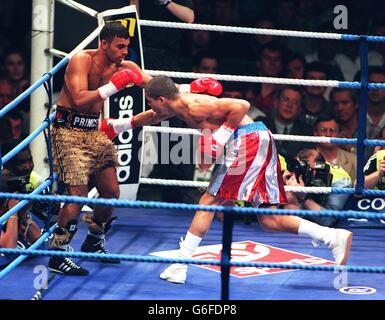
(18, 184)
(300, 168)
(44, 210)
(322, 176)
(40, 209)
(319, 176)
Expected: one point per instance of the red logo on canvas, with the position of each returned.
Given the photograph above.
(250, 251)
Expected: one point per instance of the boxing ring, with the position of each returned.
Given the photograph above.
(147, 231)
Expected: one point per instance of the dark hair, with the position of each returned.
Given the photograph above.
(15, 114)
(296, 56)
(326, 116)
(353, 94)
(199, 56)
(273, 47)
(288, 87)
(5, 130)
(376, 70)
(13, 50)
(9, 145)
(304, 154)
(371, 70)
(113, 29)
(318, 67)
(161, 86)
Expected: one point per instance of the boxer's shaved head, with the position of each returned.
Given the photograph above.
(161, 86)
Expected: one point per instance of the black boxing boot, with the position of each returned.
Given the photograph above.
(95, 241)
(60, 241)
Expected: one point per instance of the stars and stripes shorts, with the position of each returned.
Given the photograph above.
(249, 169)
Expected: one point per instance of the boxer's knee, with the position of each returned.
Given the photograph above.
(110, 193)
(268, 222)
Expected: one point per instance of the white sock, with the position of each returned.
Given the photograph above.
(316, 232)
(188, 245)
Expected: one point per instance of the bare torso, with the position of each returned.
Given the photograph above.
(98, 74)
(206, 112)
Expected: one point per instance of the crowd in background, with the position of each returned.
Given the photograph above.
(302, 110)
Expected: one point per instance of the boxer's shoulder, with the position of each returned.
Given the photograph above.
(128, 64)
(84, 55)
(82, 59)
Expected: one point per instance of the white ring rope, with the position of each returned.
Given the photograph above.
(56, 53)
(283, 137)
(79, 7)
(204, 184)
(272, 32)
(196, 26)
(228, 77)
(225, 77)
(93, 35)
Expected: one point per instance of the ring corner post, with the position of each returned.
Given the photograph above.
(41, 61)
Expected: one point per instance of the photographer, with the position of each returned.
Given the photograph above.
(311, 170)
(374, 171)
(18, 177)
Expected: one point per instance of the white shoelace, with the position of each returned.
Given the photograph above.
(71, 263)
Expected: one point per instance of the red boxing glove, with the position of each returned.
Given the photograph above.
(203, 85)
(209, 149)
(108, 129)
(112, 127)
(212, 145)
(118, 81)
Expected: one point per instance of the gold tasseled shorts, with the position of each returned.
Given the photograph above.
(78, 154)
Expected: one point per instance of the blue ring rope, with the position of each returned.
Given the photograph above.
(23, 203)
(190, 207)
(138, 258)
(357, 85)
(28, 139)
(33, 87)
(353, 37)
(23, 254)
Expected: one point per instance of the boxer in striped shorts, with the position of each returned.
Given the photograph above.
(248, 167)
